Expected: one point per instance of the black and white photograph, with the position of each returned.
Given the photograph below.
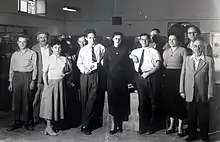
(109, 70)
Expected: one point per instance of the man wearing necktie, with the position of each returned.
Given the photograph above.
(147, 62)
(197, 87)
(91, 80)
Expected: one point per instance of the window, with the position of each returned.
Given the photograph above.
(32, 6)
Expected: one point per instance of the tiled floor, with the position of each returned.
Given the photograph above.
(99, 135)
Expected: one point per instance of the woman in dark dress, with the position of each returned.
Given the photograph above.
(116, 64)
(174, 104)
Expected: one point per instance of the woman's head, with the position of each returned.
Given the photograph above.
(55, 45)
(117, 38)
(174, 40)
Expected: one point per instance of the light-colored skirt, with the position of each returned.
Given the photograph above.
(52, 102)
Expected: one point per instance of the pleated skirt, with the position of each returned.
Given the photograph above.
(52, 101)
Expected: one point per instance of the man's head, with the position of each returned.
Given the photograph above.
(42, 38)
(81, 41)
(193, 32)
(144, 39)
(198, 47)
(22, 41)
(90, 35)
(154, 32)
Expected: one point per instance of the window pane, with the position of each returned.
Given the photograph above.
(41, 6)
(23, 6)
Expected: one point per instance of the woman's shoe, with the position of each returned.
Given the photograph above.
(50, 132)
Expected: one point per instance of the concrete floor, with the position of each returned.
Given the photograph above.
(100, 135)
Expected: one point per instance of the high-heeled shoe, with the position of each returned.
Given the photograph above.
(50, 133)
(120, 129)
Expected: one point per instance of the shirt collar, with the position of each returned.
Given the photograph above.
(45, 47)
(202, 57)
(25, 50)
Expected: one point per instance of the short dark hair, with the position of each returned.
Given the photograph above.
(118, 33)
(88, 31)
(55, 42)
(155, 29)
(178, 37)
(195, 27)
(23, 36)
(145, 34)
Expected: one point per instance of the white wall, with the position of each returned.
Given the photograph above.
(143, 15)
(52, 23)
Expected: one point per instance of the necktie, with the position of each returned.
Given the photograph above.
(93, 55)
(141, 62)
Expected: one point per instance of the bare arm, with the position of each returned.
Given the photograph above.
(45, 78)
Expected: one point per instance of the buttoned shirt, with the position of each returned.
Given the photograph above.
(45, 53)
(151, 56)
(23, 62)
(85, 62)
(54, 66)
(197, 59)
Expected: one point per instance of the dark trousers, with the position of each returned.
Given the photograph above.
(90, 97)
(198, 111)
(148, 101)
(22, 97)
(37, 101)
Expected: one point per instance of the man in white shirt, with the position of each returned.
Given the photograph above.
(92, 93)
(147, 62)
(43, 52)
(197, 83)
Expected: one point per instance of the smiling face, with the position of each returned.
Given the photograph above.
(56, 49)
(173, 42)
(90, 38)
(144, 41)
(198, 47)
(117, 39)
(42, 39)
(22, 42)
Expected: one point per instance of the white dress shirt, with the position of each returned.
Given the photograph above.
(151, 56)
(197, 59)
(54, 66)
(45, 53)
(84, 61)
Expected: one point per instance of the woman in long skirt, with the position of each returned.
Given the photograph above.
(53, 100)
(116, 64)
(174, 104)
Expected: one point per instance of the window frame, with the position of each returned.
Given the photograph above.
(39, 14)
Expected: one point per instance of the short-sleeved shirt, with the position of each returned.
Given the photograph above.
(23, 62)
(174, 59)
(85, 56)
(55, 66)
(151, 56)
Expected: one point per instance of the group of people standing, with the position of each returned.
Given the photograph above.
(171, 80)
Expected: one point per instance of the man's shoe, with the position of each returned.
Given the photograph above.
(28, 127)
(15, 126)
(87, 132)
(190, 139)
(142, 131)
